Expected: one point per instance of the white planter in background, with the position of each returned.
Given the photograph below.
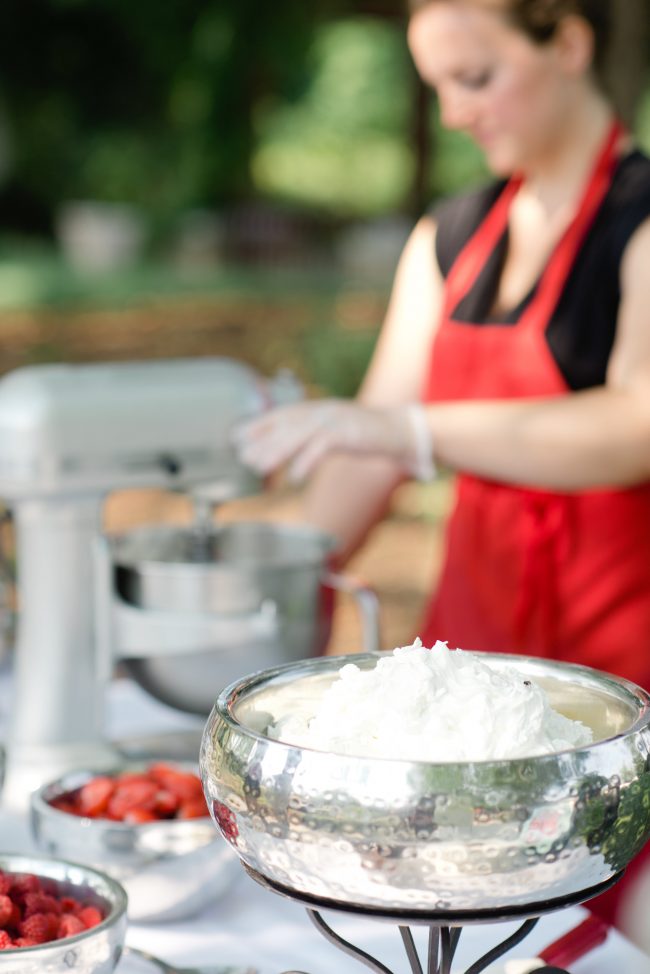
(96, 236)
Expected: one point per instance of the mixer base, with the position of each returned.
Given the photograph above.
(445, 927)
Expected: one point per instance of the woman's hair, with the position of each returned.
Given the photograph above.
(539, 19)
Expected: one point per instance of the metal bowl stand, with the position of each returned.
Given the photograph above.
(445, 927)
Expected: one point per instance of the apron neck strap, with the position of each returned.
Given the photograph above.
(540, 310)
(471, 259)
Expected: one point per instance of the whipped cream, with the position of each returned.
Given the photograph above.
(433, 705)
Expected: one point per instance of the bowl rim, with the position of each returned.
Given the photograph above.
(130, 564)
(118, 903)
(230, 694)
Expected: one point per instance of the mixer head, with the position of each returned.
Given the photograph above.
(94, 428)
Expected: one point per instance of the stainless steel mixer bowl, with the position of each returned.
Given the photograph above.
(265, 583)
(411, 836)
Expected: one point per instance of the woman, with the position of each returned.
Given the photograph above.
(515, 351)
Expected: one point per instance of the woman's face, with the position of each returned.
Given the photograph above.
(508, 93)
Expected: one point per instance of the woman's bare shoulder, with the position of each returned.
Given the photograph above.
(635, 265)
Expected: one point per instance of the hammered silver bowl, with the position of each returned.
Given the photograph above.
(170, 869)
(95, 951)
(448, 838)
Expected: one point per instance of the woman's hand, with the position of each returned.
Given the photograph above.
(304, 433)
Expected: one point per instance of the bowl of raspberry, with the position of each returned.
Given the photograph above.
(147, 826)
(57, 915)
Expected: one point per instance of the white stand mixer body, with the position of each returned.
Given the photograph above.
(69, 435)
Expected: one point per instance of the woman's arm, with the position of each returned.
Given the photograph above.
(599, 437)
(596, 438)
(348, 495)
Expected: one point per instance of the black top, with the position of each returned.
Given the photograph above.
(582, 329)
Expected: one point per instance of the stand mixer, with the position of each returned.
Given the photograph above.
(69, 435)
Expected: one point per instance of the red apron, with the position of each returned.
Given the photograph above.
(563, 575)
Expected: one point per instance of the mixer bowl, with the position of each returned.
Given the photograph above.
(392, 835)
(260, 589)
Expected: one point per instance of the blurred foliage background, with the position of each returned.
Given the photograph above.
(233, 177)
(225, 159)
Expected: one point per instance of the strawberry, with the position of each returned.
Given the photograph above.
(131, 794)
(183, 784)
(65, 805)
(193, 808)
(93, 797)
(166, 804)
(161, 790)
(138, 816)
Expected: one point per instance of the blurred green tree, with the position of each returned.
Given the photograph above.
(146, 102)
(344, 145)
(192, 103)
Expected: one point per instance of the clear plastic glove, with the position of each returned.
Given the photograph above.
(303, 433)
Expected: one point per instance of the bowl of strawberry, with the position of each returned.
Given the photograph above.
(146, 825)
(57, 915)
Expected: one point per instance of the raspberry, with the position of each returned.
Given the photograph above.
(53, 923)
(69, 925)
(40, 903)
(34, 912)
(7, 911)
(5, 883)
(24, 883)
(69, 904)
(90, 916)
(38, 927)
(226, 821)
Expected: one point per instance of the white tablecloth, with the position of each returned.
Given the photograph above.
(252, 926)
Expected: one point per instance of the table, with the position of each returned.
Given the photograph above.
(252, 926)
